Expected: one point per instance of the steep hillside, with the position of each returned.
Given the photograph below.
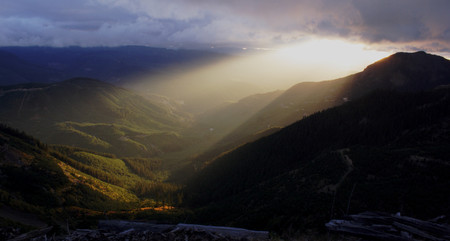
(218, 122)
(44, 185)
(387, 152)
(37, 182)
(92, 114)
(209, 127)
(401, 71)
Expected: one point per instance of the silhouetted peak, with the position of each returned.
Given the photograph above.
(419, 59)
(407, 72)
(414, 57)
(418, 53)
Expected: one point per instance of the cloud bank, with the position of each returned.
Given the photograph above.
(400, 24)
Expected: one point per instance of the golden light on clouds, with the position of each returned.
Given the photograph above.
(335, 57)
(263, 70)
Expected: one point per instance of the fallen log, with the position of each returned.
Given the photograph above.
(427, 226)
(32, 234)
(237, 233)
(390, 227)
(121, 225)
(355, 228)
(416, 231)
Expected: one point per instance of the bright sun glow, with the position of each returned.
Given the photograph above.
(331, 55)
(264, 70)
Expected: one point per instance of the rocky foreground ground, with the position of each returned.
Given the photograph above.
(141, 232)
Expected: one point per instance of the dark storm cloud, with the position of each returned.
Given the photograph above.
(403, 20)
(384, 23)
(416, 22)
(411, 24)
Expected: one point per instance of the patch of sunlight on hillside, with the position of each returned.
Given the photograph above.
(111, 191)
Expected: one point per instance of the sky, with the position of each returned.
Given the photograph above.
(384, 25)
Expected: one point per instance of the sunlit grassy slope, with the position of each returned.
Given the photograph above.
(33, 178)
(95, 115)
(57, 182)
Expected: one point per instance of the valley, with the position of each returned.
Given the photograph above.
(75, 150)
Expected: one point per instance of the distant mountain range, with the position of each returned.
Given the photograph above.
(143, 69)
(111, 64)
(92, 114)
(14, 70)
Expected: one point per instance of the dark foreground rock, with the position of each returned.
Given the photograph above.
(7, 233)
(137, 231)
(382, 226)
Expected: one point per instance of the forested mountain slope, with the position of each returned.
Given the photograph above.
(388, 151)
(43, 184)
(401, 71)
(37, 179)
(408, 72)
(92, 114)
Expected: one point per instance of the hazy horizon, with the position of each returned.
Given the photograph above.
(271, 44)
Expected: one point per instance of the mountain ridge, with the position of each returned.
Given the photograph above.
(406, 72)
(391, 73)
(92, 114)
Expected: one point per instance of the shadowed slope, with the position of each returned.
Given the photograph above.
(91, 114)
(401, 71)
(385, 152)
